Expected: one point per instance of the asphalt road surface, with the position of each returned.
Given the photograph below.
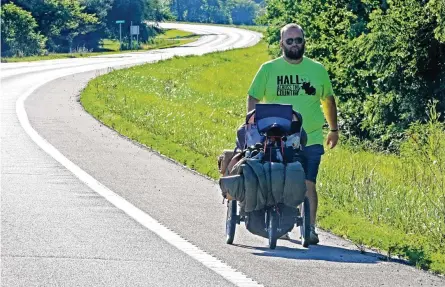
(83, 206)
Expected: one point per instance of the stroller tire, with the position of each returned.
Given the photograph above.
(305, 228)
(272, 228)
(231, 221)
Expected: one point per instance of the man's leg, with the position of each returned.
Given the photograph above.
(311, 159)
(313, 200)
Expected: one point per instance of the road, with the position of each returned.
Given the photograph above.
(83, 206)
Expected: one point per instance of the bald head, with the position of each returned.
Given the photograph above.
(292, 43)
(290, 26)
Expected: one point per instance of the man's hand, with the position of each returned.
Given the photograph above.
(332, 139)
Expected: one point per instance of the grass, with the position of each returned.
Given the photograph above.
(171, 38)
(394, 203)
(189, 109)
(110, 45)
(174, 34)
(51, 56)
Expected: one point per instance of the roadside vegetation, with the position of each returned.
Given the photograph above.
(171, 38)
(73, 28)
(167, 38)
(386, 60)
(189, 109)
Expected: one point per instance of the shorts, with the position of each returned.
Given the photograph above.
(310, 159)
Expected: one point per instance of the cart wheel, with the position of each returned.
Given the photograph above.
(272, 228)
(231, 221)
(305, 228)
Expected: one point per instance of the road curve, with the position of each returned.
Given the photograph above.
(59, 230)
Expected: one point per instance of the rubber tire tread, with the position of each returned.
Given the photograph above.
(272, 229)
(231, 221)
(305, 228)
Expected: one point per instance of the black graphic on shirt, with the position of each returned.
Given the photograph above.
(290, 85)
(308, 88)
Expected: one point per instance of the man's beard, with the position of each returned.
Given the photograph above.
(295, 54)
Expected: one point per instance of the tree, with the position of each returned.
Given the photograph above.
(215, 11)
(156, 10)
(194, 11)
(244, 11)
(400, 65)
(19, 36)
(386, 58)
(437, 7)
(100, 9)
(135, 12)
(178, 8)
(60, 21)
(208, 11)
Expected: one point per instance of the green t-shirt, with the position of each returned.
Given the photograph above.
(302, 85)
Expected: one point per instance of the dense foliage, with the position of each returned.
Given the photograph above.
(217, 11)
(386, 58)
(19, 35)
(67, 25)
(79, 25)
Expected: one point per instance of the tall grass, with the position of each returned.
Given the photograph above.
(189, 109)
(405, 192)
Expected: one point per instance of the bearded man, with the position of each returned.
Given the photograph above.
(304, 83)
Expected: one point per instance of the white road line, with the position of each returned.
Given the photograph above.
(211, 262)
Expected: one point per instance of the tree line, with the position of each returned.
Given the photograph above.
(217, 11)
(386, 59)
(31, 27)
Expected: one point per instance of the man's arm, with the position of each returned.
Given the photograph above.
(251, 102)
(257, 89)
(330, 112)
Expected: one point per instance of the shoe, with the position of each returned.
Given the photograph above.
(313, 236)
(285, 236)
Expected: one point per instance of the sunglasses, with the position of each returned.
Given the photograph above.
(297, 40)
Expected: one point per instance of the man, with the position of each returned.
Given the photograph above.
(304, 83)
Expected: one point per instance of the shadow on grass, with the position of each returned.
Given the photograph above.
(104, 50)
(186, 37)
(171, 47)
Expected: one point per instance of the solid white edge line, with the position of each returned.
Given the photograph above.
(209, 261)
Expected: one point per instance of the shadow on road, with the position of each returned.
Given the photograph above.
(316, 252)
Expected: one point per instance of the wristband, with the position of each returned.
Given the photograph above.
(334, 130)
